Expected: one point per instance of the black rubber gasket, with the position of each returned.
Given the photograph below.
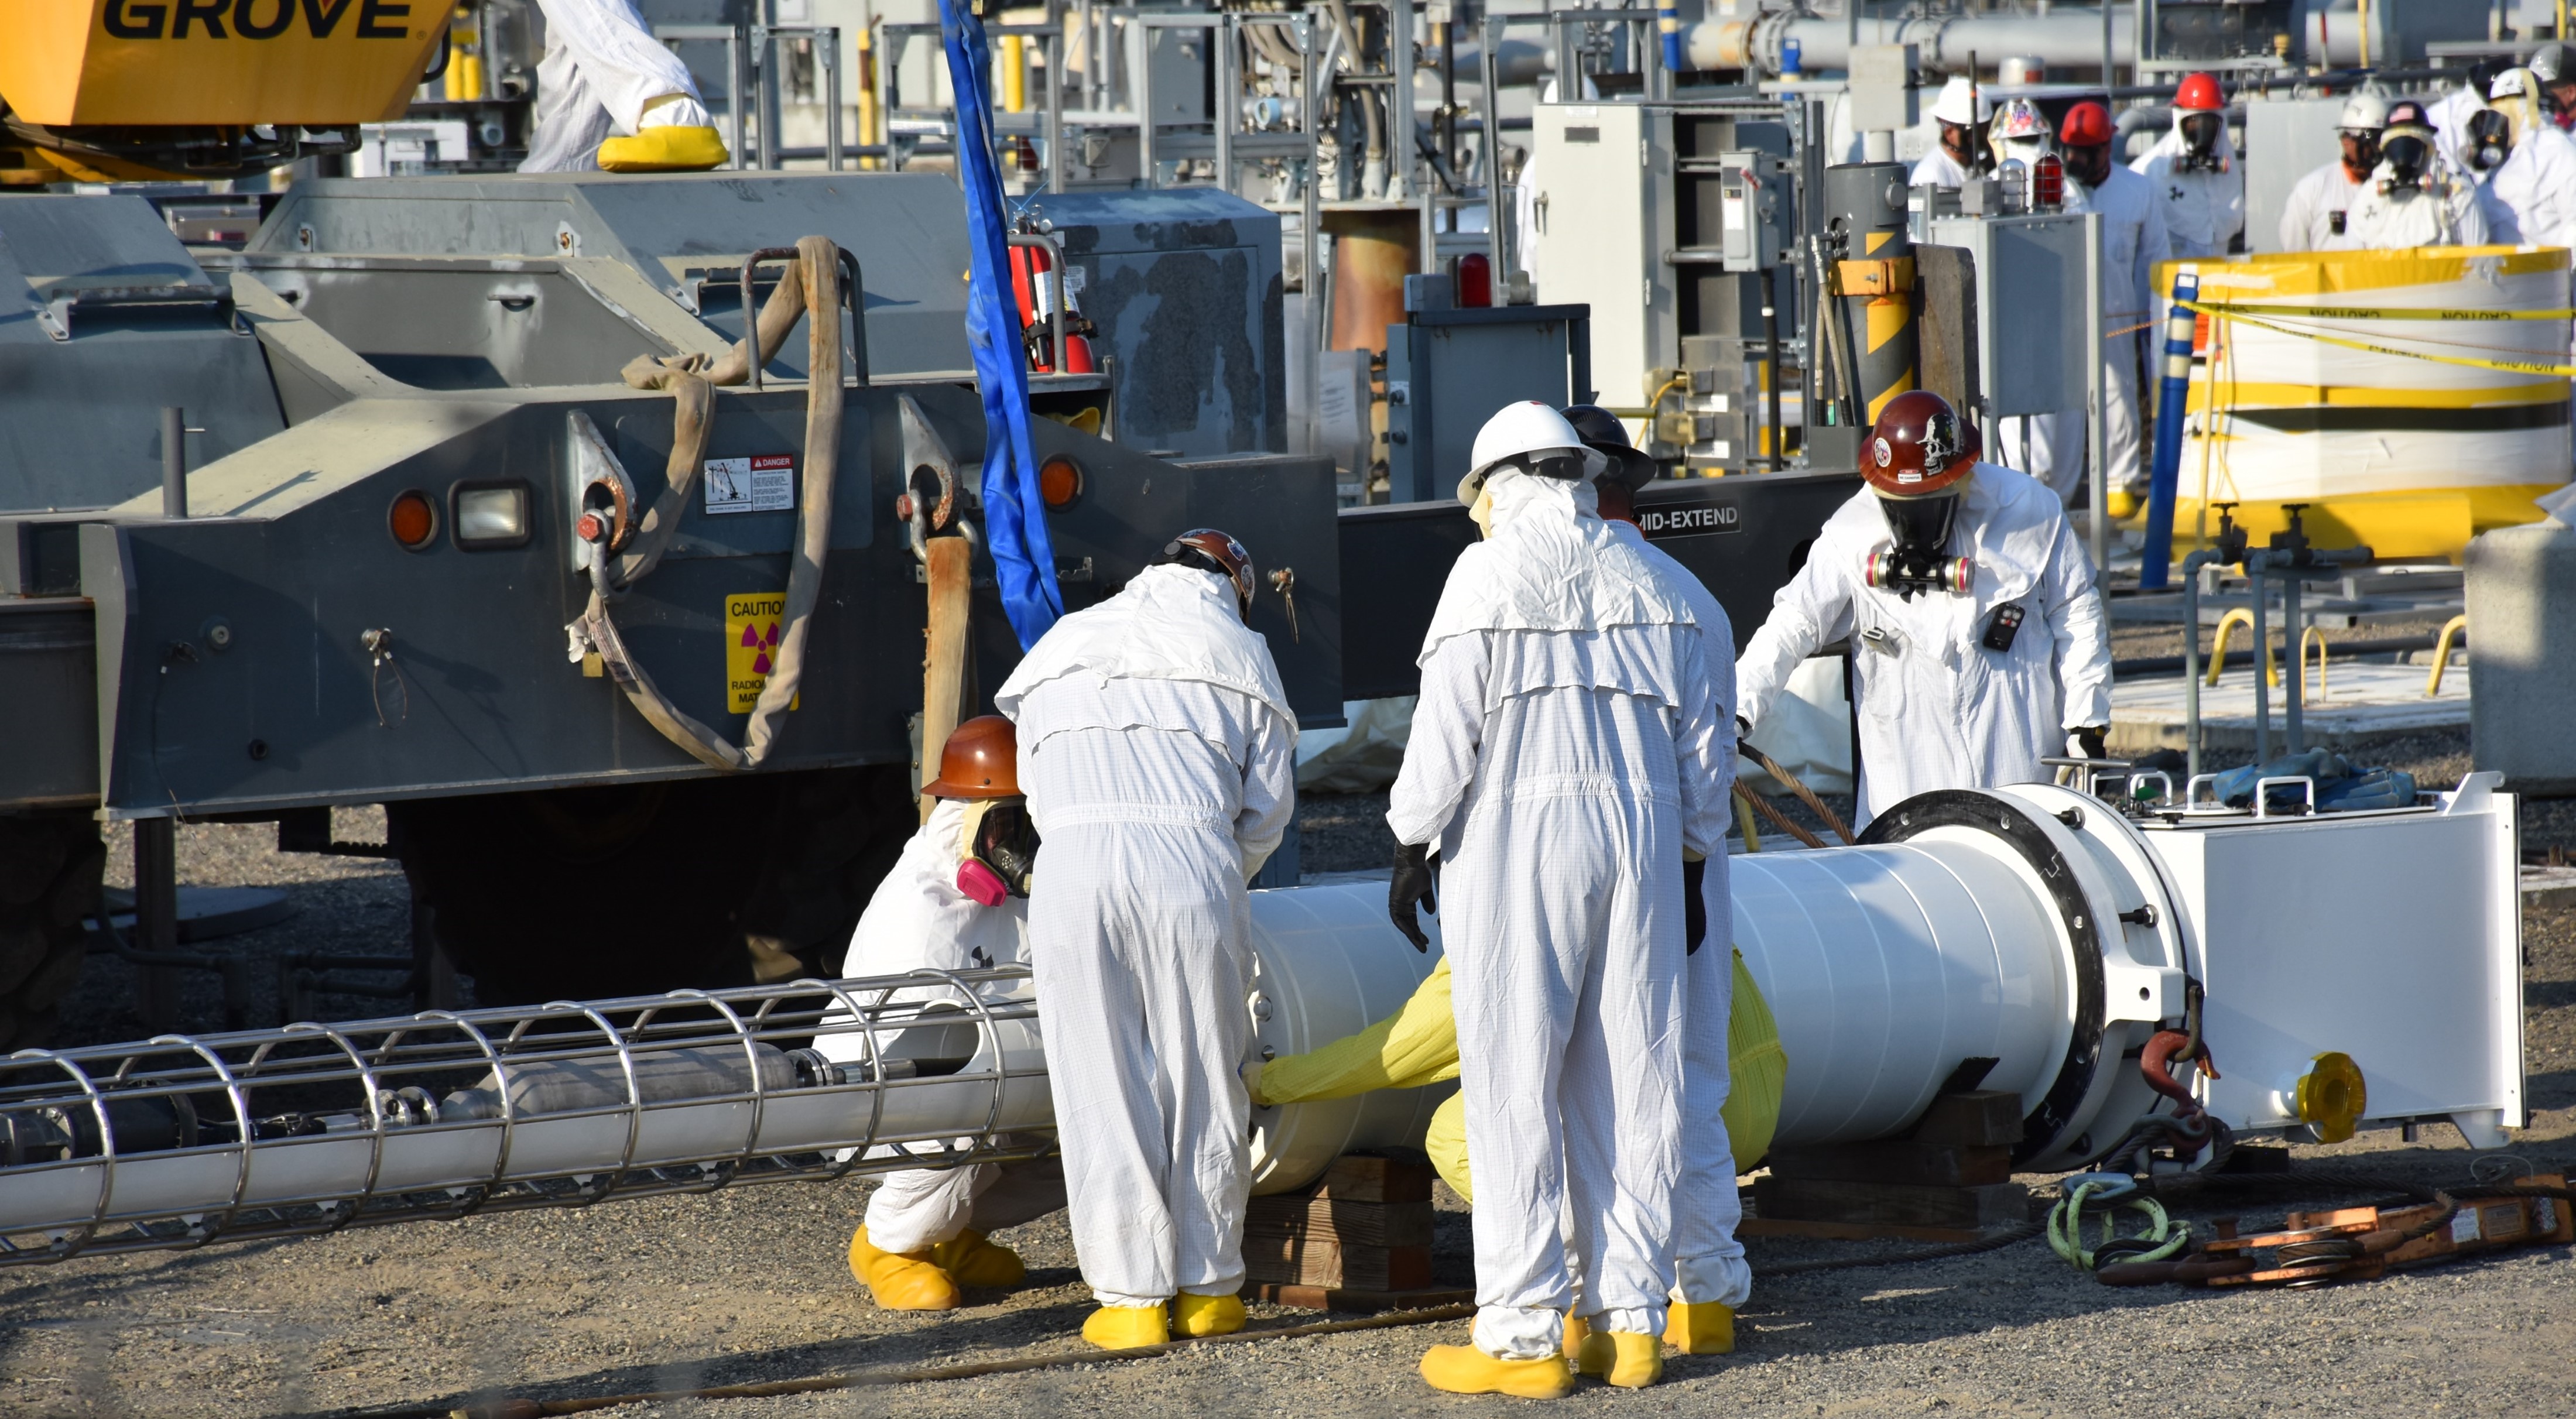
(2010, 821)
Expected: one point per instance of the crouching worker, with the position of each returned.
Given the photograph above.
(957, 900)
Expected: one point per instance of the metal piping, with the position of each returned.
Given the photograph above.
(2068, 38)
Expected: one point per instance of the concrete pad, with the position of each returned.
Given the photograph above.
(2360, 700)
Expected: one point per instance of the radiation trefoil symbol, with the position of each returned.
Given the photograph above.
(762, 644)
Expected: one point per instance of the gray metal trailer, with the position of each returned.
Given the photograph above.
(268, 635)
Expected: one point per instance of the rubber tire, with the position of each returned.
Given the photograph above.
(49, 886)
(588, 893)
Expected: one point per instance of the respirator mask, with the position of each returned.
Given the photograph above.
(2200, 142)
(2406, 156)
(998, 848)
(2489, 140)
(1920, 560)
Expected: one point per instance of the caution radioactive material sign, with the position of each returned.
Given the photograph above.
(752, 622)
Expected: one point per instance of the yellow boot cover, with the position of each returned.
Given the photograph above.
(663, 150)
(1127, 1327)
(1701, 1328)
(1624, 1358)
(1576, 1328)
(974, 1261)
(1464, 1369)
(1195, 1315)
(900, 1281)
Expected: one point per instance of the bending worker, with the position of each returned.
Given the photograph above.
(957, 900)
(1159, 757)
(1979, 643)
(1563, 759)
(2314, 215)
(609, 95)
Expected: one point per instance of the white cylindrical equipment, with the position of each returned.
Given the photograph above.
(2060, 39)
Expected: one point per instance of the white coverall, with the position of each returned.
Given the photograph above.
(2449, 117)
(1160, 761)
(917, 921)
(2534, 192)
(2308, 218)
(1708, 1260)
(1938, 709)
(2445, 211)
(2133, 241)
(1938, 169)
(1566, 750)
(2203, 211)
(604, 74)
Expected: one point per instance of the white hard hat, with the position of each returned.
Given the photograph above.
(2364, 112)
(2513, 83)
(1952, 106)
(1528, 427)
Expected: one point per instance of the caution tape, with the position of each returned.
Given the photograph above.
(2236, 313)
(2337, 312)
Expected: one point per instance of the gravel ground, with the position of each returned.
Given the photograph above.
(750, 1284)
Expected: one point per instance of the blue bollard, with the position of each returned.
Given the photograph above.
(2155, 563)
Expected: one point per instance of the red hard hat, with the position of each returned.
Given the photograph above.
(2087, 125)
(1918, 447)
(1214, 551)
(980, 760)
(2198, 94)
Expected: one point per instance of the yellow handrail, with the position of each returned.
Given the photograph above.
(2238, 616)
(2442, 653)
(2319, 633)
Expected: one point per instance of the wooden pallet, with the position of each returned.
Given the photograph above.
(1359, 1239)
(1949, 1180)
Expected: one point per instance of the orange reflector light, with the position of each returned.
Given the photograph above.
(413, 519)
(1059, 481)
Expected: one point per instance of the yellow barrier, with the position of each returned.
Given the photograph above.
(2411, 399)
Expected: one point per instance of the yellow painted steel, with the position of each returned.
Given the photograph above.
(2442, 653)
(2239, 616)
(871, 128)
(1015, 74)
(195, 62)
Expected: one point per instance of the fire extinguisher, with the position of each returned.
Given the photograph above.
(1030, 285)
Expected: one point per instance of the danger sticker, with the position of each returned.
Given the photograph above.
(764, 482)
(752, 624)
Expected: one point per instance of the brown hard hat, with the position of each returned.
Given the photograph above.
(1919, 446)
(981, 760)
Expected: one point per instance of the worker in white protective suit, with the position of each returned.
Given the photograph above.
(1711, 1279)
(2314, 214)
(2448, 115)
(2415, 197)
(1962, 112)
(2133, 241)
(1564, 760)
(957, 900)
(1159, 758)
(1979, 643)
(2526, 168)
(2198, 183)
(2549, 64)
(610, 95)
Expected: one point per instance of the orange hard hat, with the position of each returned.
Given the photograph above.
(1212, 551)
(2087, 125)
(1919, 446)
(2198, 94)
(980, 760)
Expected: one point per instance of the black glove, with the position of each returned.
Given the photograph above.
(1410, 886)
(1694, 906)
(2089, 740)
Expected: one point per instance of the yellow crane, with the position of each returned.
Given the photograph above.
(111, 90)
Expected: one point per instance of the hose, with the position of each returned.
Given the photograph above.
(1805, 794)
(2105, 1194)
(809, 287)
